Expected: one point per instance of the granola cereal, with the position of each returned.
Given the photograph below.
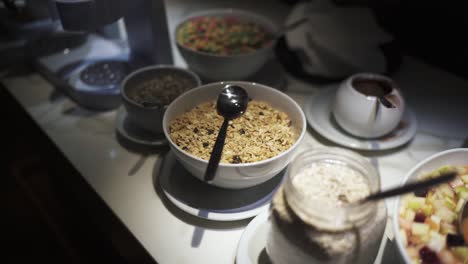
(262, 132)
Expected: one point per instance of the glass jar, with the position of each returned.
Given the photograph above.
(316, 216)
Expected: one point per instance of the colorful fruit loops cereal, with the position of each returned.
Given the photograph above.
(222, 35)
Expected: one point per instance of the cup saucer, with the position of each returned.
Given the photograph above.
(318, 112)
(210, 202)
(252, 244)
(131, 132)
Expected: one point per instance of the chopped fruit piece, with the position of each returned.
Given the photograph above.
(462, 192)
(446, 228)
(420, 217)
(405, 224)
(436, 241)
(410, 215)
(445, 214)
(461, 253)
(429, 196)
(464, 178)
(462, 170)
(415, 240)
(446, 190)
(446, 169)
(433, 174)
(450, 203)
(460, 189)
(428, 256)
(454, 240)
(402, 210)
(416, 202)
(437, 204)
(420, 229)
(447, 257)
(456, 182)
(425, 239)
(433, 222)
(427, 209)
(413, 252)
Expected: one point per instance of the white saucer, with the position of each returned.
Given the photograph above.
(251, 248)
(129, 131)
(319, 116)
(209, 202)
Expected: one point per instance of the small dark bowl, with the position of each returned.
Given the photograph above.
(148, 116)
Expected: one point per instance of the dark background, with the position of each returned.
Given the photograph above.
(434, 31)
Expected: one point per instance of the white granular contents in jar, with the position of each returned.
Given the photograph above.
(331, 184)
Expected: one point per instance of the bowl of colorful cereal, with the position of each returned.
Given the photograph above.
(225, 44)
(259, 144)
(425, 222)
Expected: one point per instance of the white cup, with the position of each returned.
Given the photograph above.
(368, 105)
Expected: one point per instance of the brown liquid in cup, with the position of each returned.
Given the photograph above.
(372, 87)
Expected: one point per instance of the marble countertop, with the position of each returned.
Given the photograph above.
(124, 178)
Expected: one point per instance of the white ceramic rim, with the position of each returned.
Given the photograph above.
(264, 21)
(372, 76)
(217, 215)
(155, 67)
(396, 209)
(232, 214)
(239, 165)
(243, 248)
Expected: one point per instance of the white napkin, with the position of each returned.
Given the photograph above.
(337, 41)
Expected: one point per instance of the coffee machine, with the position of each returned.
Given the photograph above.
(100, 41)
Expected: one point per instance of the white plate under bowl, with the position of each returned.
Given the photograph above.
(318, 112)
(210, 202)
(129, 131)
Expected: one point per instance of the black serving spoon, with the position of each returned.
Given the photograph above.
(411, 187)
(232, 103)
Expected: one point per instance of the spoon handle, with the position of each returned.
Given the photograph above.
(386, 102)
(217, 151)
(410, 187)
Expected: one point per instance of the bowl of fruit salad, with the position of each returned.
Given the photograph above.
(225, 44)
(425, 222)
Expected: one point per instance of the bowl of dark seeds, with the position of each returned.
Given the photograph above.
(148, 91)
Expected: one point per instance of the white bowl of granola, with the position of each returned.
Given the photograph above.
(425, 222)
(258, 146)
